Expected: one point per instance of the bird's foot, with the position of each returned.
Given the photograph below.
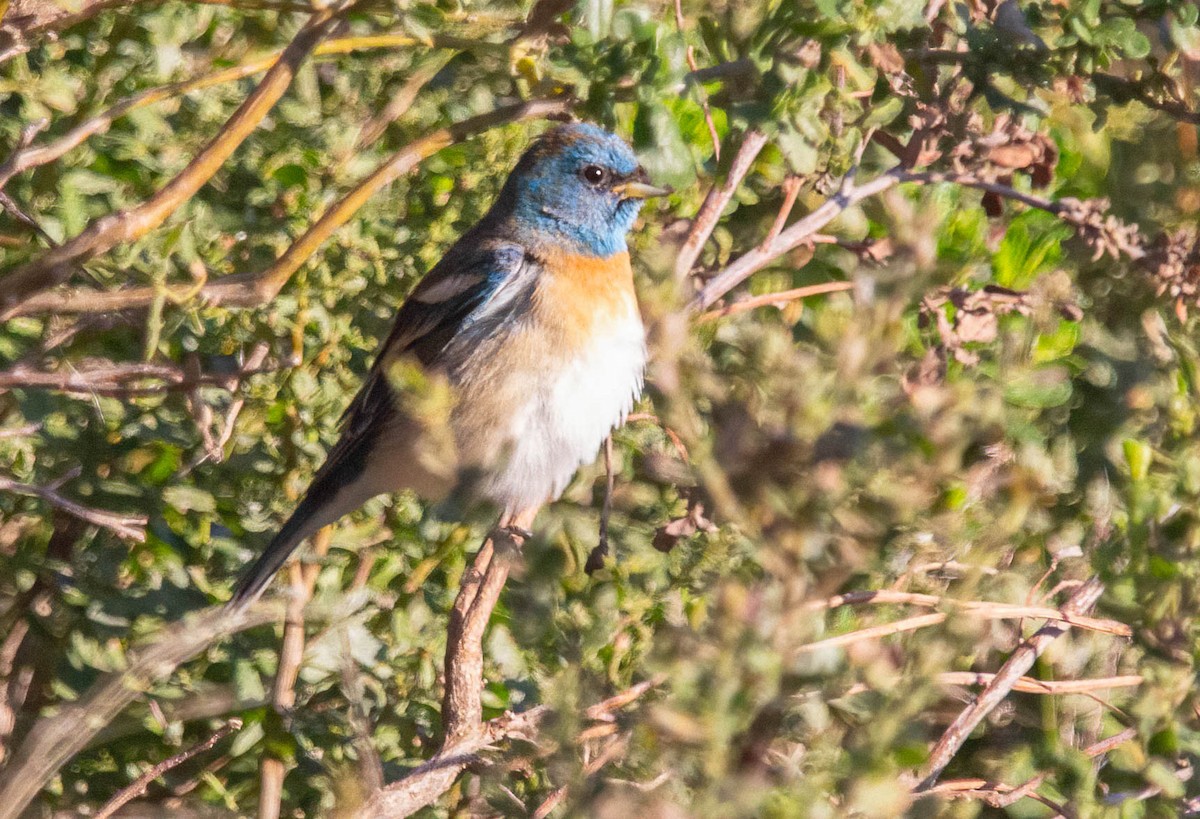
(516, 535)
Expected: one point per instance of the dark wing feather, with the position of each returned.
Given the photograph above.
(454, 294)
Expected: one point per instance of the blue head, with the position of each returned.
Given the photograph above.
(580, 185)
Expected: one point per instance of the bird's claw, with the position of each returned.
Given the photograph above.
(516, 535)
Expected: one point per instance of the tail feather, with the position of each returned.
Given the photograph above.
(254, 580)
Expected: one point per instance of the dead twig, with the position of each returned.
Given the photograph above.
(139, 785)
(131, 527)
(714, 203)
(1002, 683)
(464, 732)
(124, 226)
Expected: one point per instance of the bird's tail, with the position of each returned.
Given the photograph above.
(308, 518)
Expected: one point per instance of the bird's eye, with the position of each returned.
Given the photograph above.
(594, 174)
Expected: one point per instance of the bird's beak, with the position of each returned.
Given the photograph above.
(638, 186)
(639, 190)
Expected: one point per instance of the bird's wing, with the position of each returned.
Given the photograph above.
(474, 282)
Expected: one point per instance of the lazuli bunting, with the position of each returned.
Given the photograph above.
(531, 320)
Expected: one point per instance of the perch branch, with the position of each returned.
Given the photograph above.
(139, 785)
(1002, 683)
(125, 226)
(462, 709)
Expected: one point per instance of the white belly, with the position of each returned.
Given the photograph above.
(569, 410)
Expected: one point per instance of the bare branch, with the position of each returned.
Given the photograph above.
(132, 527)
(756, 259)
(1020, 662)
(129, 379)
(27, 156)
(714, 203)
(775, 299)
(124, 226)
(139, 785)
(1030, 685)
(980, 608)
(256, 289)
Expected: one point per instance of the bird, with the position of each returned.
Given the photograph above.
(530, 321)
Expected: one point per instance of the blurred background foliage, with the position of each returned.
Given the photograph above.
(995, 406)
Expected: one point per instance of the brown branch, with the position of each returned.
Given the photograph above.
(256, 289)
(55, 739)
(131, 527)
(1020, 662)
(874, 632)
(772, 299)
(125, 380)
(26, 156)
(980, 608)
(791, 190)
(756, 259)
(1030, 685)
(139, 785)
(124, 226)
(714, 203)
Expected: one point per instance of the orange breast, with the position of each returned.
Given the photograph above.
(580, 296)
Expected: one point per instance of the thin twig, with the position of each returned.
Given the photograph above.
(1020, 662)
(1030, 685)
(791, 190)
(772, 299)
(127, 380)
(756, 259)
(139, 785)
(980, 608)
(131, 527)
(125, 226)
(874, 632)
(714, 203)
